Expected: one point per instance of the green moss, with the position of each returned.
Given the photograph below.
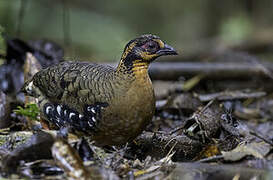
(30, 110)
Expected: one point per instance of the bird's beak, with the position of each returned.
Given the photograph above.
(167, 50)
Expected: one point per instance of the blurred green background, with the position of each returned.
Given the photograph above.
(98, 30)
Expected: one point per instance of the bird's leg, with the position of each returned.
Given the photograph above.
(63, 132)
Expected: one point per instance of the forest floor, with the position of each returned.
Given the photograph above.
(213, 119)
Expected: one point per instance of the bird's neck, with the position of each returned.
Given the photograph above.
(140, 68)
(134, 68)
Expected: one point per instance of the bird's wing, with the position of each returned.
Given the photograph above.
(75, 84)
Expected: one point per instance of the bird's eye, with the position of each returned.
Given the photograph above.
(150, 46)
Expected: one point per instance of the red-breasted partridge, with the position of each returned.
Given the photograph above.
(113, 105)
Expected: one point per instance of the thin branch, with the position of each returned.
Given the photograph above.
(66, 23)
(23, 4)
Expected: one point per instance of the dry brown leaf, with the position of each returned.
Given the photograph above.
(258, 150)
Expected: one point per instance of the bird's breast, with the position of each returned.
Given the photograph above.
(129, 113)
